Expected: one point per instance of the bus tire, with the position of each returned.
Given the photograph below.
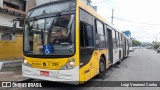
(102, 70)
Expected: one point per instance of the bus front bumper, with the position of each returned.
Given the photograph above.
(64, 76)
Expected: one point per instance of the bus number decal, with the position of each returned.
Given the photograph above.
(96, 53)
(55, 64)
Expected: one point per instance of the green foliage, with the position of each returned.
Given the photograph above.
(156, 46)
(136, 43)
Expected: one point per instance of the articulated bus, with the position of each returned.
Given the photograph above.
(67, 41)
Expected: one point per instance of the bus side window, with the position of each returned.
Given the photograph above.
(86, 35)
(117, 39)
(114, 38)
(100, 36)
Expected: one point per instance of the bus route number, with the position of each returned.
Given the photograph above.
(55, 64)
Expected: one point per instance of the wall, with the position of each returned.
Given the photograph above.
(31, 4)
(17, 2)
(6, 20)
(39, 2)
(11, 49)
(1, 3)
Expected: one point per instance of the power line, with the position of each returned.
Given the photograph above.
(134, 21)
(124, 19)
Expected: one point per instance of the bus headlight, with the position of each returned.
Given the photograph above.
(25, 62)
(70, 64)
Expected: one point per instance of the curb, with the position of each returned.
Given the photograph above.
(10, 64)
(1, 64)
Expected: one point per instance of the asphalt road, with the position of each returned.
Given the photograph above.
(141, 65)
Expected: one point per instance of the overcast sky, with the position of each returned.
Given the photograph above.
(141, 17)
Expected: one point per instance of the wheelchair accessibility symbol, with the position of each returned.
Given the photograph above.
(48, 49)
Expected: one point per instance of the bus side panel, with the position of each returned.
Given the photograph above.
(89, 57)
(90, 67)
(86, 65)
(85, 58)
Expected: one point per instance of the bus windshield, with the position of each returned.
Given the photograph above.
(50, 36)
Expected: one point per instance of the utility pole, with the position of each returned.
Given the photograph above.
(112, 16)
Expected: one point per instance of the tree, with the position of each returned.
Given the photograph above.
(136, 43)
(156, 46)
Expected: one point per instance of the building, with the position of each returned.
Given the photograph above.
(11, 45)
(33, 3)
(30, 4)
(39, 2)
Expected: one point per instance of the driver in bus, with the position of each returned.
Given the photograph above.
(58, 38)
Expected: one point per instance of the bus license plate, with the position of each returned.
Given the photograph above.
(44, 73)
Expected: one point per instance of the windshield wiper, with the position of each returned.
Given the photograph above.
(55, 20)
(53, 24)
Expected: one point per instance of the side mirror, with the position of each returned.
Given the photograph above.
(14, 28)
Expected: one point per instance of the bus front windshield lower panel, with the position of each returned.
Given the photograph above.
(50, 36)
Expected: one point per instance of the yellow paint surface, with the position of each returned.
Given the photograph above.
(10, 50)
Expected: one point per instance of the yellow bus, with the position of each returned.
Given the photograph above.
(67, 41)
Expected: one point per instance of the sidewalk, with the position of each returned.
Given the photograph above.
(9, 64)
(11, 71)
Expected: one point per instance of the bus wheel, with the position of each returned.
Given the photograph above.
(102, 70)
